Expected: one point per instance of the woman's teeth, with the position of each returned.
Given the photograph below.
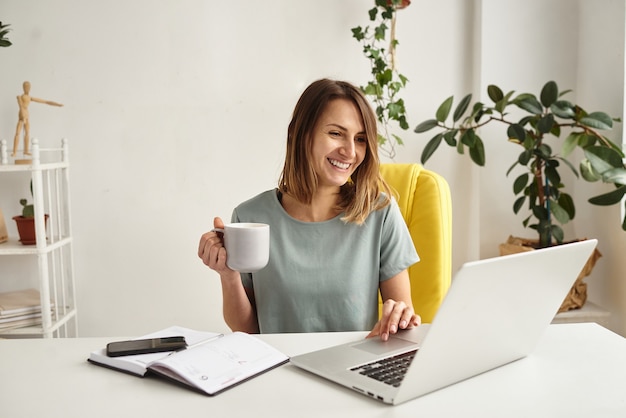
(339, 164)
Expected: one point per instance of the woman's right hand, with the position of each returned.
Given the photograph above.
(238, 307)
(211, 249)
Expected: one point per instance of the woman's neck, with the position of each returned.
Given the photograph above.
(323, 207)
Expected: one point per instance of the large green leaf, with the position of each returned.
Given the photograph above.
(444, 109)
(610, 198)
(570, 143)
(552, 175)
(567, 203)
(615, 175)
(427, 125)
(549, 94)
(461, 107)
(558, 212)
(495, 93)
(450, 137)
(563, 109)
(519, 202)
(516, 133)
(587, 171)
(597, 120)
(404, 124)
(525, 157)
(477, 152)
(520, 183)
(431, 147)
(468, 138)
(530, 104)
(603, 158)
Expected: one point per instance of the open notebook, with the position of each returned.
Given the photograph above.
(210, 364)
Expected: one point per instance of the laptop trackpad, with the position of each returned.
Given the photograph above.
(376, 346)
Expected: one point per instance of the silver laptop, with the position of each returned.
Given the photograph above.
(494, 313)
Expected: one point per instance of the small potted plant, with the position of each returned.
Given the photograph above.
(26, 222)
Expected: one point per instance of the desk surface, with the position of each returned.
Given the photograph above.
(578, 370)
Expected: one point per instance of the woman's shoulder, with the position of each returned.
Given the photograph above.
(266, 196)
(263, 203)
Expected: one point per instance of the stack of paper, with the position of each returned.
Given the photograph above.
(21, 308)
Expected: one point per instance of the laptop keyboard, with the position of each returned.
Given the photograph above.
(390, 370)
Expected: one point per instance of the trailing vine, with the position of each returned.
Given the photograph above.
(387, 82)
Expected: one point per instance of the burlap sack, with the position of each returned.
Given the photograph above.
(577, 295)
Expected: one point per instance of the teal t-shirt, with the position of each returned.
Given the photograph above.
(324, 276)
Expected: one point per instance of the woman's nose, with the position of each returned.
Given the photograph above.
(348, 148)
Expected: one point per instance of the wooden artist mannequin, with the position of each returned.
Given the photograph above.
(23, 122)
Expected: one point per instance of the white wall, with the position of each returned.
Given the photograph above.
(177, 111)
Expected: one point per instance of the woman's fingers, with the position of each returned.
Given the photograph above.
(396, 315)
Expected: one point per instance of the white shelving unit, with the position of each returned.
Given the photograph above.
(49, 172)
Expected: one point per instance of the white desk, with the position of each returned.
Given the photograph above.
(578, 370)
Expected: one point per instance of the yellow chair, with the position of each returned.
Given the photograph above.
(425, 203)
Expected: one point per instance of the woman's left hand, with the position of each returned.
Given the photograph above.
(396, 315)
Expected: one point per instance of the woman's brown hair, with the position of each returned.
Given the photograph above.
(361, 195)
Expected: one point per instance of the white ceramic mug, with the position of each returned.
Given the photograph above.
(247, 246)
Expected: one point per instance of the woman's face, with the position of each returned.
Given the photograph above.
(339, 143)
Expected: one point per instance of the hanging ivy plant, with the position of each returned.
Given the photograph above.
(379, 47)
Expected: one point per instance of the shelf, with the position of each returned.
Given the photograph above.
(6, 168)
(38, 329)
(52, 255)
(14, 247)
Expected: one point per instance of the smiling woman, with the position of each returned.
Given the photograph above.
(337, 237)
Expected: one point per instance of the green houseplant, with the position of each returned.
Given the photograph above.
(4, 30)
(539, 188)
(379, 47)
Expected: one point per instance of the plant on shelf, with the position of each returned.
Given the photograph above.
(4, 30)
(540, 188)
(26, 221)
(28, 210)
(386, 83)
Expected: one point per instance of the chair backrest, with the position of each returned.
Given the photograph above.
(425, 203)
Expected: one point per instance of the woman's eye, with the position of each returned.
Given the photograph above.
(334, 133)
(361, 139)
